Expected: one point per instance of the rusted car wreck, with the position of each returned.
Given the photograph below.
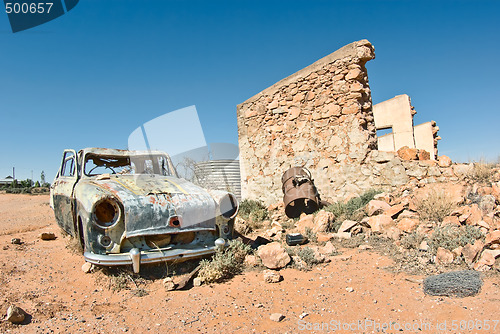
(130, 207)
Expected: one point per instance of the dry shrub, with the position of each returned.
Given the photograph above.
(482, 172)
(225, 264)
(435, 206)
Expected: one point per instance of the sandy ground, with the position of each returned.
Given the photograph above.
(45, 279)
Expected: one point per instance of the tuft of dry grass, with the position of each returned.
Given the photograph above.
(482, 172)
(435, 206)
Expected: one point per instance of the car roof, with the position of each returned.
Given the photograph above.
(118, 152)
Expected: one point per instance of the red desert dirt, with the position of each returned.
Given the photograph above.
(354, 292)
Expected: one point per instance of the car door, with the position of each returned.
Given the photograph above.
(61, 190)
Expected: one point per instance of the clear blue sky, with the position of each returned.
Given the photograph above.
(92, 76)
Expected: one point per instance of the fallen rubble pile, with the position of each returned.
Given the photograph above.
(445, 224)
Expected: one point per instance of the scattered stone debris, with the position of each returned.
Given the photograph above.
(15, 314)
(277, 317)
(87, 267)
(47, 236)
(454, 284)
(197, 281)
(16, 241)
(169, 284)
(303, 315)
(271, 276)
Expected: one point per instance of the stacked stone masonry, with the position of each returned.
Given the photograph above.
(321, 118)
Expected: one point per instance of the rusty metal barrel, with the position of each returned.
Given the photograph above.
(300, 193)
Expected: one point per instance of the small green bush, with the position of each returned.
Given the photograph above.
(254, 213)
(225, 264)
(451, 237)
(253, 210)
(352, 210)
(412, 240)
(306, 254)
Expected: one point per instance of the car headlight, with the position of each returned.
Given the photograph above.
(228, 206)
(106, 212)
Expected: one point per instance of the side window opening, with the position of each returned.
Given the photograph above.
(68, 167)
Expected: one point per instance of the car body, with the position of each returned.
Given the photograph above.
(130, 207)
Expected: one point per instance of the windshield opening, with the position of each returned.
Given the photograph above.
(96, 164)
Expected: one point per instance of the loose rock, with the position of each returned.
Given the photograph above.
(87, 267)
(271, 276)
(15, 314)
(277, 317)
(47, 236)
(273, 255)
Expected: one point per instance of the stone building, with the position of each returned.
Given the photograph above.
(320, 117)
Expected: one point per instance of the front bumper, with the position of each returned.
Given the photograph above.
(136, 257)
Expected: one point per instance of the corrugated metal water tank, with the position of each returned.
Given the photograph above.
(220, 174)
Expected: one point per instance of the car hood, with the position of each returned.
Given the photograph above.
(150, 201)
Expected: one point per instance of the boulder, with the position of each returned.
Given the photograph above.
(407, 153)
(475, 215)
(486, 260)
(375, 207)
(305, 221)
(408, 224)
(273, 255)
(394, 210)
(323, 221)
(347, 225)
(492, 238)
(380, 223)
(444, 161)
(324, 237)
(469, 252)
(443, 256)
(423, 155)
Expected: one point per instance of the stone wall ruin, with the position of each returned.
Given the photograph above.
(321, 117)
(397, 114)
